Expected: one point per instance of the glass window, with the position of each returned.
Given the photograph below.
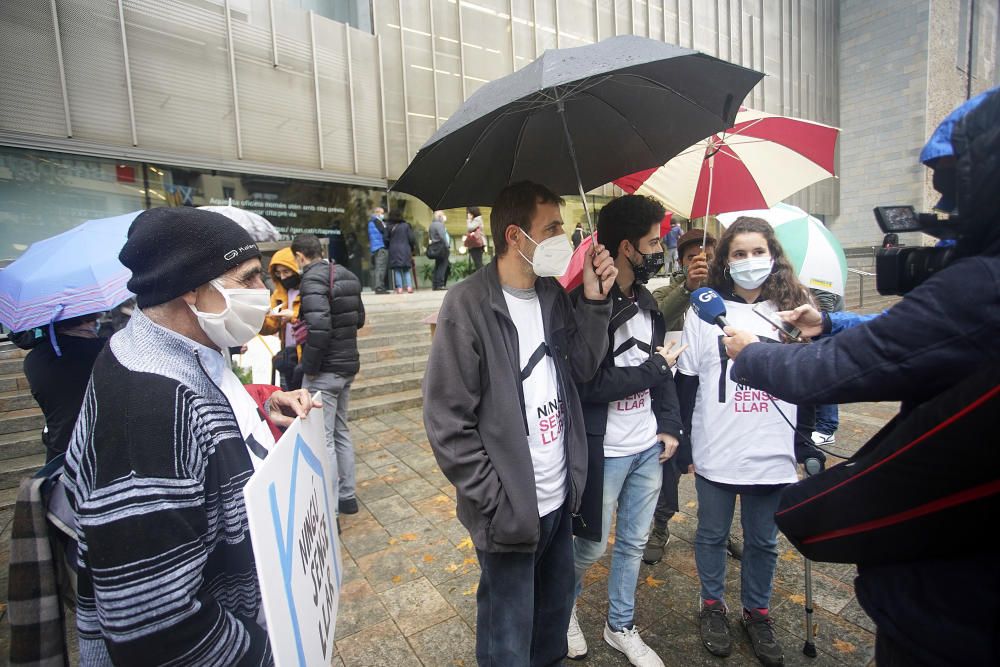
(43, 194)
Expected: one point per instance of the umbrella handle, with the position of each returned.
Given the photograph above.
(561, 108)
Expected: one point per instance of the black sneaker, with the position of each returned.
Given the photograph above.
(348, 506)
(760, 629)
(715, 628)
(735, 548)
(659, 537)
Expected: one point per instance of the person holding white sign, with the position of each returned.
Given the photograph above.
(166, 440)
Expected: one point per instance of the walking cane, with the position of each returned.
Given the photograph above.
(812, 466)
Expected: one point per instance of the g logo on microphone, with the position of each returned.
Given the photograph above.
(705, 297)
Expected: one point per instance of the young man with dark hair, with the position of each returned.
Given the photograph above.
(633, 424)
(504, 420)
(330, 304)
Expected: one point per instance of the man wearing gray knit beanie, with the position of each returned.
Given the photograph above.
(166, 440)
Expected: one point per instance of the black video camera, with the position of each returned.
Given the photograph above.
(900, 269)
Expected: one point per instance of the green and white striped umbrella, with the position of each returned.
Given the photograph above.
(815, 253)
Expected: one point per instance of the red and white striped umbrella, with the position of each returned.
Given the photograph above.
(757, 163)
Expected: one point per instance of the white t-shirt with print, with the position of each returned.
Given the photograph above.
(543, 407)
(742, 440)
(631, 424)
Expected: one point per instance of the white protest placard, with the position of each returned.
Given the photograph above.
(293, 527)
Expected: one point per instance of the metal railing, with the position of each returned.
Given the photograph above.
(861, 284)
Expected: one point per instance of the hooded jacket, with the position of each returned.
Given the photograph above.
(612, 383)
(944, 609)
(474, 404)
(272, 323)
(333, 319)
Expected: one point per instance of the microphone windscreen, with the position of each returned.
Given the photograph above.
(708, 304)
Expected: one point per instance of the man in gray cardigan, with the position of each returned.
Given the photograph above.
(505, 423)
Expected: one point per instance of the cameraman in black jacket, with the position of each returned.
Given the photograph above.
(929, 611)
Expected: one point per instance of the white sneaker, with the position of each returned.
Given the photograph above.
(630, 643)
(823, 439)
(577, 644)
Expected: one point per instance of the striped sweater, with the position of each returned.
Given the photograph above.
(155, 471)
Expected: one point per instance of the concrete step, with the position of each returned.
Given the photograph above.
(17, 421)
(383, 386)
(403, 349)
(11, 366)
(13, 470)
(8, 352)
(380, 405)
(21, 443)
(16, 400)
(7, 498)
(13, 381)
(392, 367)
(405, 325)
(418, 333)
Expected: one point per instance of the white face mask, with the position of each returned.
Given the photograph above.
(751, 273)
(552, 256)
(240, 321)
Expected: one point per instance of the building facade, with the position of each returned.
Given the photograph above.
(306, 110)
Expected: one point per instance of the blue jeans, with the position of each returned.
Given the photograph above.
(760, 543)
(632, 483)
(524, 599)
(827, 419)
(402, 278)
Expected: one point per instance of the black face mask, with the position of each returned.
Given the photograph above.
(651, 265)
(291, 282)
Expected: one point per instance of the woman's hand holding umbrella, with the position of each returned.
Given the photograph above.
(599, 273)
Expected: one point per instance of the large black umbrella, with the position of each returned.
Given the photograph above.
(575, 119)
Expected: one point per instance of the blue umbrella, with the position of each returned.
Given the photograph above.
(74, 273)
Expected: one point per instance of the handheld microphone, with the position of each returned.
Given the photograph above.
(709, 306)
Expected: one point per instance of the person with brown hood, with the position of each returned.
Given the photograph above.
(283, 315)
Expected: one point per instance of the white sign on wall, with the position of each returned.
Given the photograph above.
(293, 528)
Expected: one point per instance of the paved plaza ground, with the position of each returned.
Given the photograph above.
(411, 571)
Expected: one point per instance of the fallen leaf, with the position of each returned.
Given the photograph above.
(388, 479)
(469, 561)
(797, 599)
(844, 647)
(458, 663)
(393, 540)
(472, 589)
(652, 582)
(691, 505)
(396, 579)
(680, 518)
(408, 537)
(611, 539)
(466, 543)
(790, 556)
(428, 558)
(413, 570)
(452, 567)
(442, 499)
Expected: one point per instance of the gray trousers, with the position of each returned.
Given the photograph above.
(336, 392)
(380, 264)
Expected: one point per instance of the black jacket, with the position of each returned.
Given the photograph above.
(58, 384)
(332, 344)
(938, 335)
(402, 244)
(612, 383)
